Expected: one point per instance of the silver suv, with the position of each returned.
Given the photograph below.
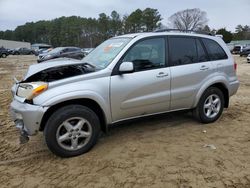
(125, 77)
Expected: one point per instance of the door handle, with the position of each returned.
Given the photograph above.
(204, 67)
(162, 74)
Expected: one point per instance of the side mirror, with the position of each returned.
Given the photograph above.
(126, 67)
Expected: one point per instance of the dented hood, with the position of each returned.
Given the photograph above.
(33, 69)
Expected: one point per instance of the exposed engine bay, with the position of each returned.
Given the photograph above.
(61, 72)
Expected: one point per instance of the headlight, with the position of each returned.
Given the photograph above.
(48, 56)
(30, 90)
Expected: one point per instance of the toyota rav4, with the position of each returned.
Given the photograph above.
(125, 77)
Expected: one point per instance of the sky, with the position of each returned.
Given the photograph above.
(220, 13)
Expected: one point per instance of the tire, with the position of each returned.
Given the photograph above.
(202, 113)
(74, 140)
(4, 55)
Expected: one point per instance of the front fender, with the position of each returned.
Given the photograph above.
(86, 94)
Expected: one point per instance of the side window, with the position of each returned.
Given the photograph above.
(182, 50)
(70, 50)
(147, 54)
(202, 55)
(73, 49)
(65, 50)
(215, 51)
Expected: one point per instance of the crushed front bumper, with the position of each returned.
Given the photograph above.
(27, 117)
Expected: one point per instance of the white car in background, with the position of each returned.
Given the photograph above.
(248, 58)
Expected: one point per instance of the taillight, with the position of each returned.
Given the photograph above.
(235, 66)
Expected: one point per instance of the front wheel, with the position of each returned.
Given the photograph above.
(210, 106)
(72, 130)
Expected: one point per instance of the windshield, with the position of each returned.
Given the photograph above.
(104, 54)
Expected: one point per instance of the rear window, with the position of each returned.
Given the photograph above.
(215, 51)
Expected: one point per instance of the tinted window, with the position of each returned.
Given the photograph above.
(74, 49)
(202, 56)
(69, 50)
(147, 54)
(182, 50)
(215, 51)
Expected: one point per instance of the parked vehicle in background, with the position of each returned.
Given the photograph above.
(3, 52)
(125, 77)
(245, 51)
(44, 51)
(237, 49)
(86, 51)
(10, 51)
(23, 51)
(69, 52)
(38, 48)
(248, 58)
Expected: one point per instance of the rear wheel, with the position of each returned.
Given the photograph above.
(72, 130)
(210, 106)
(4, 55)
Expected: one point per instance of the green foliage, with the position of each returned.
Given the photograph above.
(151, 19)
(227, 35)
(142, 21)
(84, 32)
(242, 33)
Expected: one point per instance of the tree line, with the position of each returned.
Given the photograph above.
(89, 32)
(85, 32)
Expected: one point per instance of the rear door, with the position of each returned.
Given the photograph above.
(147, 89)
(190, 67)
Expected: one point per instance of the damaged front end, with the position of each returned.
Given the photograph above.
(26, 115)
(52, 71)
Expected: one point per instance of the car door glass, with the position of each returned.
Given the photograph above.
(66, 50)
(72, 49)
(147, 54)
(215, 51)
(182, 50)
(202, 56)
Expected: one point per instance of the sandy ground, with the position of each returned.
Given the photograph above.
(164, 151)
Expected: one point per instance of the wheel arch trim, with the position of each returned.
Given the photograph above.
(218, 81)
(83, 98)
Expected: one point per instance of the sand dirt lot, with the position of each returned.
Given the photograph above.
(163, 151)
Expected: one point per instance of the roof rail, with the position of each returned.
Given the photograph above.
(184, 31)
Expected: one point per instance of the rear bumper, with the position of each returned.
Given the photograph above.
(27, 117)
(234, 86)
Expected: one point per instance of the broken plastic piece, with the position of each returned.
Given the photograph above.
(211, 146)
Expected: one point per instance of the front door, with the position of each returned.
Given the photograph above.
(147, 89)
